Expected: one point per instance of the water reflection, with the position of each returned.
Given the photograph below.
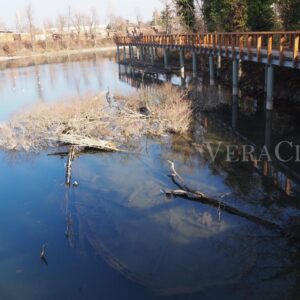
(146, 245)
(246, 123)
(75, 77)
(173, 246)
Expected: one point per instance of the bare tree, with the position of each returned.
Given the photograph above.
(61, 23)
(19, 23)
(48, 25)
(93, 22)
(69, 22)
(78, 23)
(30, 24)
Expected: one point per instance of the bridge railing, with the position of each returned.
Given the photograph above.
(285, 45)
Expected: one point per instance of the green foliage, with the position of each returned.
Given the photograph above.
(239, 15)
(261, 15)
(166, 16)
(289, 11)
(225, 15)
(186, 10)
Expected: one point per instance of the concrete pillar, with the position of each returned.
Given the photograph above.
(270, 88)
(181, 58)
(118, 54)
(166, 62)
(194, 56)
(219, 66)
(211, 70)
(235, 77)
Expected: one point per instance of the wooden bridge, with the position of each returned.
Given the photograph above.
(269, 48)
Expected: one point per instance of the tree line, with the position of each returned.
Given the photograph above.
(231, 15)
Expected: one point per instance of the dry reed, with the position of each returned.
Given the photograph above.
(121, 120)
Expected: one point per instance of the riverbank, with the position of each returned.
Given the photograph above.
(58, 53)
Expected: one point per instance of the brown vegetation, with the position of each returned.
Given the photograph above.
(122, 121)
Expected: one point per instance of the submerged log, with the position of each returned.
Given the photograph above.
(186, 192)
(71, 157)
(87, 142)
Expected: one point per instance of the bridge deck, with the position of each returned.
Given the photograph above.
(276, 48)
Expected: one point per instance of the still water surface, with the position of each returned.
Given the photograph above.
(126, 239)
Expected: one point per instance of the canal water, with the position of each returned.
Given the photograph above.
(125, 239)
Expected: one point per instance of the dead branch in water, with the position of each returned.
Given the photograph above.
(87, 142)
(71, 157)
(191, 194)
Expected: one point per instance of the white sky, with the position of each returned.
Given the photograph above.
(49, 9)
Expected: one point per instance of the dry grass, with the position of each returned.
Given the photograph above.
(122, 122)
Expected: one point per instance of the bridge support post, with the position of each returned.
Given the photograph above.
(152, 55)
(235, 77)
(266, 78)
(141, 53)
(211, 70)
(268, 129)
(181, 58)
(124, 52)
(130, 53)
(219, 66)
(118, 54)
(166, 62)
(235, 110)
(270, 88)
(194, 55)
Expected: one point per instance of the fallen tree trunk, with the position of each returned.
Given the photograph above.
(87, 142)
(188, 193)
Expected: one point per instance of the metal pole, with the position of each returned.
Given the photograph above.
(211, 70)
(270, 88)
(194, 64)
(235, 77)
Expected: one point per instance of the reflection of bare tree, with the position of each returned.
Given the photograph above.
(38, 82)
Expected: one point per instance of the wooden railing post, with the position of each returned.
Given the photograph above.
(241, 46)
(233, 38)
(281, 49)
(270, 48)
(296, 50)
(258, 47)
(249, 46)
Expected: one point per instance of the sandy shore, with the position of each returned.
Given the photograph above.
(58, 53)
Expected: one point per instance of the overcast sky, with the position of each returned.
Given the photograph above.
(43, 9)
